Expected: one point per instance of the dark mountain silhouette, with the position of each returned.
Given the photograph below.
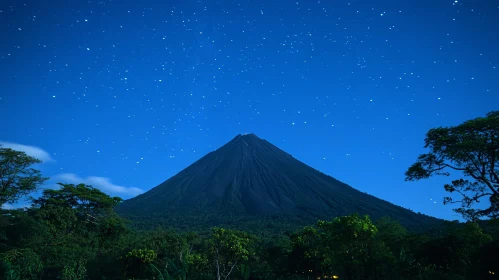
(252, 182)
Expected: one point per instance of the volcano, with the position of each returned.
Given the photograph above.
(250, 183)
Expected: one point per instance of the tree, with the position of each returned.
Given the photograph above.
(350, 247)
(306, 256)
(471, 148)
(392, 233)
(454, 252)
(228, 248)
(173, 251)
(23, 263)
(77, 223)
(78, 208)
(345, 247)
(17, 178)
(81, 197)
(138, 263)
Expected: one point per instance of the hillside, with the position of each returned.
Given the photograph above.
(251, 184)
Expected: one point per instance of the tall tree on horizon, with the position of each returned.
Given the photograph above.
(471, 148)
(17, 177)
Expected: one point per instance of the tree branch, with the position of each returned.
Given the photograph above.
(230, 271)
(493, 175)
(444, 165)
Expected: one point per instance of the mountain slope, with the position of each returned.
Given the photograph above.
(249, 178)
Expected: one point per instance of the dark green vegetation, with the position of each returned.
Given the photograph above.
(74, 233)
(251, 184)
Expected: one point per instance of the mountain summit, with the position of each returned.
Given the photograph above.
(250, 177)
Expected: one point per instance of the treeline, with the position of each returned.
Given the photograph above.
(74, 233)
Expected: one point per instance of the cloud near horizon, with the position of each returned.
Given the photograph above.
(9, 206)
(102, 183)
(33, 151)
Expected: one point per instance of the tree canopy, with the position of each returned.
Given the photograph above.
(228, 248)
(471, 148)
(17, 177)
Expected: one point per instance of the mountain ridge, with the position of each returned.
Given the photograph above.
(249, 176)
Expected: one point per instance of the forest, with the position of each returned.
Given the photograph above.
(73, 232)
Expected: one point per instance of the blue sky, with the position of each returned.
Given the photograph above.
(124, 94)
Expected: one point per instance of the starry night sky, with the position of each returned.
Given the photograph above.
(125, 94)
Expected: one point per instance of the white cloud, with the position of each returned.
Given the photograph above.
(102, 183)
(8, 206)
(33, 151)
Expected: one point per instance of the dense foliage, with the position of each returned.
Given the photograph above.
(73, 233)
